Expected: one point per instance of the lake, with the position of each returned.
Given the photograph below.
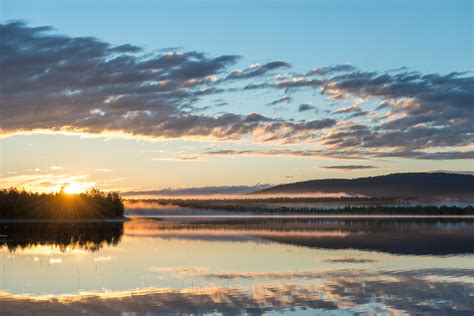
(239, 265)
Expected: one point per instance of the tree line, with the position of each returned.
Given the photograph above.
(93, 204)
(264, 206)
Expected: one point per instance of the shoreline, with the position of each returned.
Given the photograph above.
(43, 220)
(243, 216)
(470, 217)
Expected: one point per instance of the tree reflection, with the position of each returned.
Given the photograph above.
(89, 236)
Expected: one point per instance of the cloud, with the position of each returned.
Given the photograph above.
(349, 154)
(270, 152)
(103, 170)
(350, 260)
(58, 83)
(355, 111)
(331, 69)
(430, 155)
(181, 158)
(305, 107)
(349, 167)
(422, 110)
(220, 102)
(283, 99)
(349, 109)
(81, 84)
(417, 111)
(257, 70)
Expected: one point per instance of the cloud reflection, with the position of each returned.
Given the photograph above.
(347, 290)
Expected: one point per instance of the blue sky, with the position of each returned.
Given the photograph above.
(423, 35)
(431, 38)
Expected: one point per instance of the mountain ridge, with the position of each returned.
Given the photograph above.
(410, 184)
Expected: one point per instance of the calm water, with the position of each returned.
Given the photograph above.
(239, 265)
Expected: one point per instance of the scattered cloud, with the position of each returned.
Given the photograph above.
(349, 109)
(349, 167)
(257, 70)
(350, 260)
(331, 69)
(306, 107)
(349, 154)
(283, 99)
(181, 158)
(103, 170)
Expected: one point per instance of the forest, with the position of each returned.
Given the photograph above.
(316, 206)
(93, 204)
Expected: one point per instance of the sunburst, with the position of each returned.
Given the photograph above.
(75, 187)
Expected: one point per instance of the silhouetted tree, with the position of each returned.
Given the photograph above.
(93, 204)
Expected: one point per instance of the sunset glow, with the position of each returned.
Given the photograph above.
(76, 187)
(144, 112)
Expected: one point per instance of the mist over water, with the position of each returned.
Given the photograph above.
(210, 206)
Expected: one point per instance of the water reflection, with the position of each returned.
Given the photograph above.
(234, 266)
(347, 292)
(397, 236)
(89, 236)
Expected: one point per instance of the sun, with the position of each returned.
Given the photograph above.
(75, 188)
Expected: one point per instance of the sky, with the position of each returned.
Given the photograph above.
(149, 95)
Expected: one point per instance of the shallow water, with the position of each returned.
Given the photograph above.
(239, 265)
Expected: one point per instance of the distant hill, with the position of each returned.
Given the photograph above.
(415, 185)
(198, 191)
